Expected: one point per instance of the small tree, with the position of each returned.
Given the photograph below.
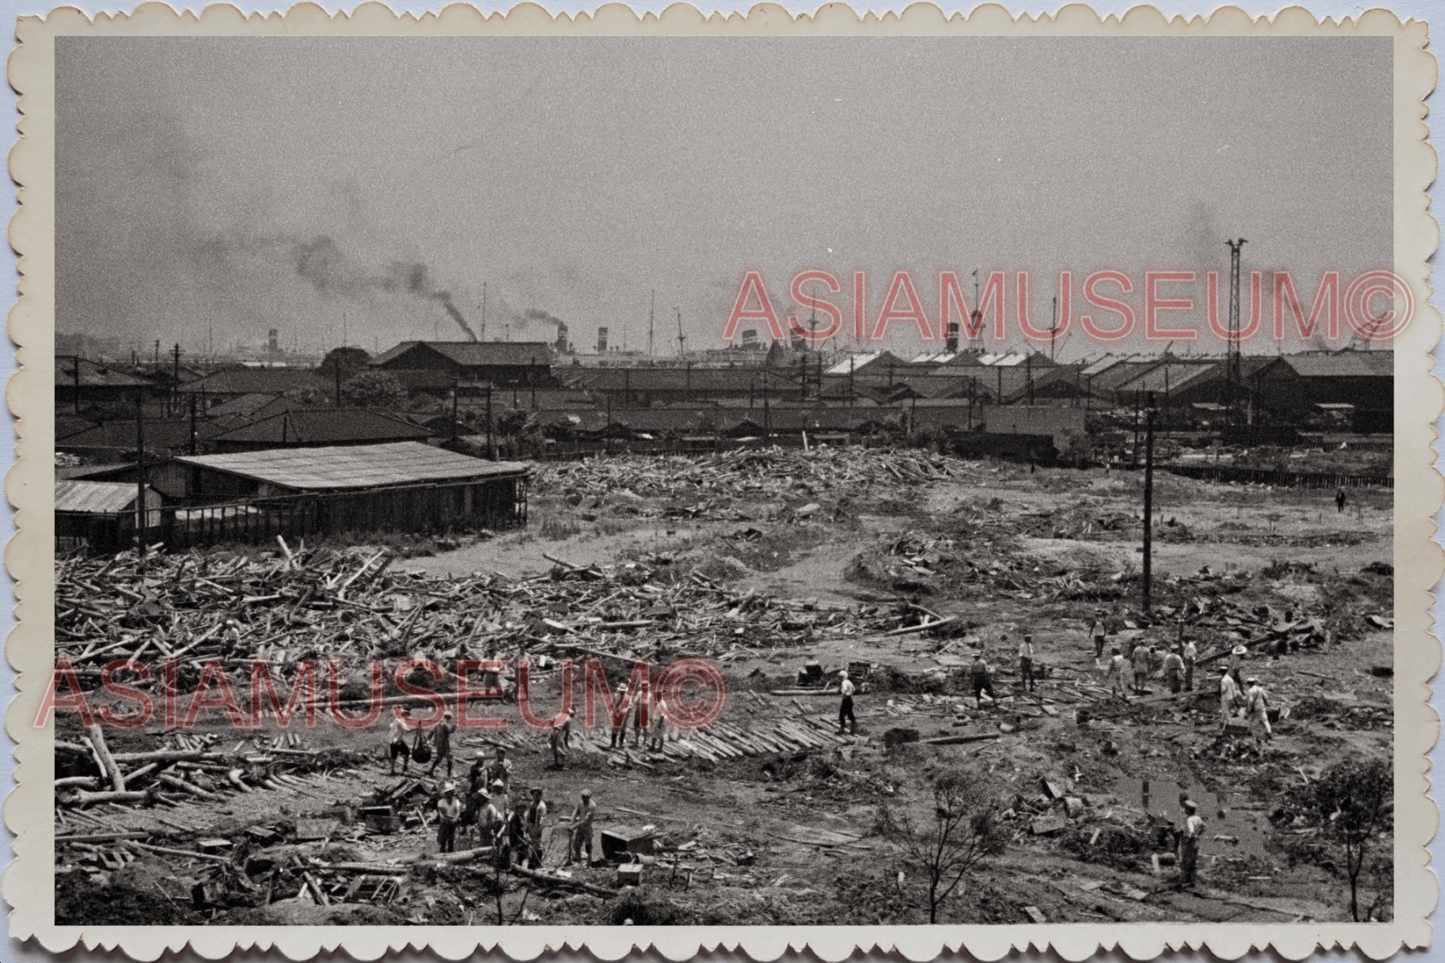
(374, 389)
(963, 832)
(1354, 801)
(347, 360)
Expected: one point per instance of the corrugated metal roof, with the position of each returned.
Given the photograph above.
(1343, 364)
(477, 354)
(354, 466)
(310, 426)
(91, 375)
(246, 381)
(93, 497)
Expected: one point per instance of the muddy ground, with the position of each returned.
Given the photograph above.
(781, 838)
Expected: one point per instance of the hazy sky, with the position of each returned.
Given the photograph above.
(238, 185)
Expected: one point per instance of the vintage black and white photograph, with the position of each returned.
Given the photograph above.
(541, 481)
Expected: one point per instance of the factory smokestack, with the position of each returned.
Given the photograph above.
(601, 340)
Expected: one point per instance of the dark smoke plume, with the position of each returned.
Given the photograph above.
(412, 279)
(321, 262)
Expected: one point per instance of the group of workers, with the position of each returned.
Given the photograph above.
(514, 827)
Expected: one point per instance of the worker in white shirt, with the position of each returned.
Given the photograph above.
(582, 818)
(1191, 656)
(1114, 675)
(845, 708)
(1026, 663)
(396, 738)
(1189, 843)
(449, 812)
(1228, 696)
(1256, 710)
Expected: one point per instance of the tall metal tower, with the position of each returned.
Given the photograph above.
(1232, 376)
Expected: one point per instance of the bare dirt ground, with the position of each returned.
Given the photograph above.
(1091, 785)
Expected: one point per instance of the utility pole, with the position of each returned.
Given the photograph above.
(456, 394)
(681, 340)
(483, 330)
(1232, 360)
(1148, 502)
(193, 423)
(176, 378)
(140, 482)
(491, 446)
(651, 321)
(157, 361)
(1054, 331)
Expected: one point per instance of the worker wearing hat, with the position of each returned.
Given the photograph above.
(501, 769)
(536, 821)
(1229, 696)
(449, 813)
(1174, 670)
(582, 818)
(561, 740)
(1026, 663)
(847, 722)
(396, 741)
(1189, 842)
(476, 786)
(1097, 631)
(620, 708)
(501, 797)
(1116, 674)
(1236, 655)
(1256, 710)
(490, 817)
(442, 740)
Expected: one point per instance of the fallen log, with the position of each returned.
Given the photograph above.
(167, 851)
(83, 798)
(71, 782)
(959, 739)
(563, 881)
(923, 627)
(101, 837)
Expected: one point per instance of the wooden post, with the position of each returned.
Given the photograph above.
(1148, 502)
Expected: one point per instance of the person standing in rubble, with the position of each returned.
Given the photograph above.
(561, 740)
(1256, 710)
(476, 787)
(1118, 669)
(642, 709)
(981, 679)
(516, 833)
(1191, 657)
(581, 838)
(1189, 843)
(396, 737)
(658, 740)
(1236, 655)
(618, 738)
(490, 821)
(442, 742)
(536, 818)
(500, 771)
(1097, 631)
(1174, 670)
(1026, 663)
(1228, 696)
(1141, 657)
(1340, 501)
(449, 813)
(845, 707)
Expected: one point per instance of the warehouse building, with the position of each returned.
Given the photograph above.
(401, 487)
(100, 516)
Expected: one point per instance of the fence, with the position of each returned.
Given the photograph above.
(1279, 479)
(496, 503)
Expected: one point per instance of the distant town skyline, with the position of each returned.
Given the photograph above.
(375, 186)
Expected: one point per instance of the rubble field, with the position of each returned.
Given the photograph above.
(781, 567)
